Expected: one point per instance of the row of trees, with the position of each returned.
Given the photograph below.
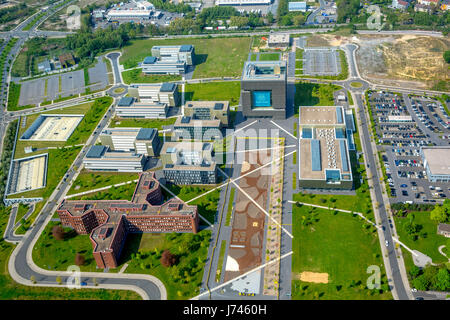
(431, 278)
(286, 18)
(8, 144)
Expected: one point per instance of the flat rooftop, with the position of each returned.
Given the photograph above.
(264, 70)
(216, 105)
(187, 122)
(173, 146)
(279, 38)
(322, 153)
(320, 116)
(437, 159)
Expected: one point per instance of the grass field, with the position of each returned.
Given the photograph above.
(270, 56)
(87, 180)
(230, 207)
(141, 123)
(124, 192)
(337, 244)
(223, 247)
(182, 280)
(311, 94)
(211, 60)
(137, 76)
(229, 90)
(429, 242)
(13, 98)
(207, 205)
(11, 290)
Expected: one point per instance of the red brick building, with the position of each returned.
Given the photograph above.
(109, 221)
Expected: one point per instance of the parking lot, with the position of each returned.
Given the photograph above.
(402, 129)
(321, 62)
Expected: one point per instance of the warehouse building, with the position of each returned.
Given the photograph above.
(159, 93)
(128, 108)
(208, 110)
(297, 6)
(144, 141)
(108, 222)
(184, 53)
(100, 158)
(187, 128)
(152, 65)
(324, 160)
(436, 163)
(263, 89)
(189, 162)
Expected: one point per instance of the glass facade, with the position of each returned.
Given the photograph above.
(262, 99)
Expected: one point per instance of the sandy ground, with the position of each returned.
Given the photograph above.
(315, 277)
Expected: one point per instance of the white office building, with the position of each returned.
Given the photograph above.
(127, 108)
(159, 93)
(184, 53)
(152, 65)
(100, 158)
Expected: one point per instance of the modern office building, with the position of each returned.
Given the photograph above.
(184, 53)
(436, 162)
(297, 6)
(189, 162)
(277, 40)
(159, 93)
(187, 128)
(100, 158)
(128, 108)
(324, 160)
(151, 65)
(144, 141)
(263, 89)
(108, 222)
(208, 110)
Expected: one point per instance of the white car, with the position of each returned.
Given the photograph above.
(387, 243)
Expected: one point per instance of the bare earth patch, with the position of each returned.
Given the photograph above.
(315, 277)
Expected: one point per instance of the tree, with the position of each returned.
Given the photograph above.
(441, 213)
(298, 20)
(270, 17)
(414, 272)
(168, 259)
(79, 259)
(443, 279)
(58, 233)
(238, 21)
(421, 283)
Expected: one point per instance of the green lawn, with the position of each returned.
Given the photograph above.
(207, 205)
(337, 244)
(124, 192)
(312, 94)
(141, 123)
(215, 57)
(183, 280)
(87, 180)
(11, 290)
(272, 56)
(13, 98)
(429, 242)
(229, 90)
(52, 254)
(21, 211)
(137, 76)
(299, 64)
(299, 53)
(230, 207)
(253, 57)
(223, 247)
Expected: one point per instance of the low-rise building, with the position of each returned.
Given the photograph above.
(297, 6)
(128, 108)
(184, 53)
(159, 93)
(429, 2)
(189, 162)
(242, 2)
(67, 60)
(144, 141)
(436, 163)
(422, 8)
(44, 66)
(400, 4)
(152, 65)
(279, 40)
(444, 229)
(208, 110)
(324, 160)
(108, 222)
(100, 158)
(187, 128)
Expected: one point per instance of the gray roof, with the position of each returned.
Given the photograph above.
(167, 87)
(125, 101)
(444, 227)
(96, 151)
(149, 60)
(185, 48)
(146, 134)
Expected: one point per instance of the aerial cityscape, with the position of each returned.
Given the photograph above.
(245, 150)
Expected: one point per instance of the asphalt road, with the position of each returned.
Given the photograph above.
(395, 270)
